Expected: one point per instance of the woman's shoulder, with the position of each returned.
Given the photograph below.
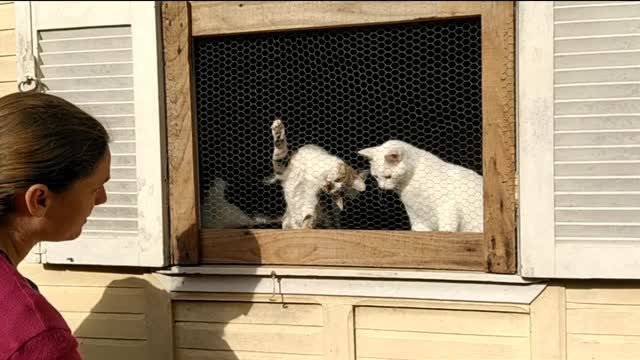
(26, 313)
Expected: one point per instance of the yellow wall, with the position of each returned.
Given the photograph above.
(114, 313)
(7, 48)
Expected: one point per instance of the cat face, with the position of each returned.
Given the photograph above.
(389, 165)
(347, 183)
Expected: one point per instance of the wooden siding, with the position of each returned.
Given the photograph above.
(247, 331)
(113, 315)
(7, 48)
(389, 333)
(603, 320)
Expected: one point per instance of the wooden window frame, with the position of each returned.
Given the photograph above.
(492, 251)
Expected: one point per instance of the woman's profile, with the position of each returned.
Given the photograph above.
(54, 162)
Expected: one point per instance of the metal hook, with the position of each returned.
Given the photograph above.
(273, 292)
(28, 79)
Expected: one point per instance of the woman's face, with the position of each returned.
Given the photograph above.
(68, 211)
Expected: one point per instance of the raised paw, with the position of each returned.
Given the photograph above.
(277, 129)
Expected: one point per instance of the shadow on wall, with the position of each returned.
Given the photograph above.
(136, 318)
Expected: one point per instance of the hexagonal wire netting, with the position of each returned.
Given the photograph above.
(342, 89)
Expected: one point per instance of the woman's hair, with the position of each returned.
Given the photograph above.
(45, 140)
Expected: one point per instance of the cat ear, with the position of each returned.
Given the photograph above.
(394, 156)
(367, 153)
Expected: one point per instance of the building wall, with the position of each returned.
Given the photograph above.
(125, 314)
(114, 313)
(7, 48)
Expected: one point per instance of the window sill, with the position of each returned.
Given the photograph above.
(352, 282)
(346, 272)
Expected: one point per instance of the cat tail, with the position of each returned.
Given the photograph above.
(281, 154)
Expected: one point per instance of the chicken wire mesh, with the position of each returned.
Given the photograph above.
(343, 90)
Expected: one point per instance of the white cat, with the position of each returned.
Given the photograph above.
(437, 195)
(225, 215)
(307, 173)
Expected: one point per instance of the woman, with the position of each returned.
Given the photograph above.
(54, 162)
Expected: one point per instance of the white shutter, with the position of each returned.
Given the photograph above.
(105, 57)
(579, 136)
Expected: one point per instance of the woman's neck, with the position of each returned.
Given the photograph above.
(14, 243)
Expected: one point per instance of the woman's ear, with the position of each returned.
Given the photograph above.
(36, 200)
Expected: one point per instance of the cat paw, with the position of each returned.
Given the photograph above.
(277, 129)
(307, 223)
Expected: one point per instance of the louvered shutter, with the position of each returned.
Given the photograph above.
(579, 118)
(105, 58)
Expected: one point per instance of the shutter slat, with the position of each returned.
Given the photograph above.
(597, 91)
(597, 184)
(597, 75)
(84, 70)
(86, 57)
(599, 231)
(115, 212)
(609, 43)
(84, 32)
(119, 185)
(603, 216)
(125, 94)
(116, 199)
(597, 153)
(603, 59)
(86, 43)
(613, 11)
(111, 108)
(594, 169)
(621, 200)
(98, 83)
(605, 27)
(122, 160)
(598, 137)
(122, 147)
(112, 224)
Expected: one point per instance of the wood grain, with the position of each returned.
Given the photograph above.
(401, 249)
(498, 140)
(183, 188)
(233, 17)
(494, 251)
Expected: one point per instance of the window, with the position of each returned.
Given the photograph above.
(344, 77)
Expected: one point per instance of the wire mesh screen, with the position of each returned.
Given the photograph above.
(340, 96)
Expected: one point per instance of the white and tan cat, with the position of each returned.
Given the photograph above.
(437, 195)
(307, 173)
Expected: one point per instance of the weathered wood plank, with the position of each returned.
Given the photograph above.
(183, 188)
(498, 140)
(192, 354)
(96, 299)
(106, 325)
(7, 16)
(230, 17)
(247, 313)
(602, 347)
(548, 325)
(443, 321)
(243, 337)
(461, 251)
(426, 346)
